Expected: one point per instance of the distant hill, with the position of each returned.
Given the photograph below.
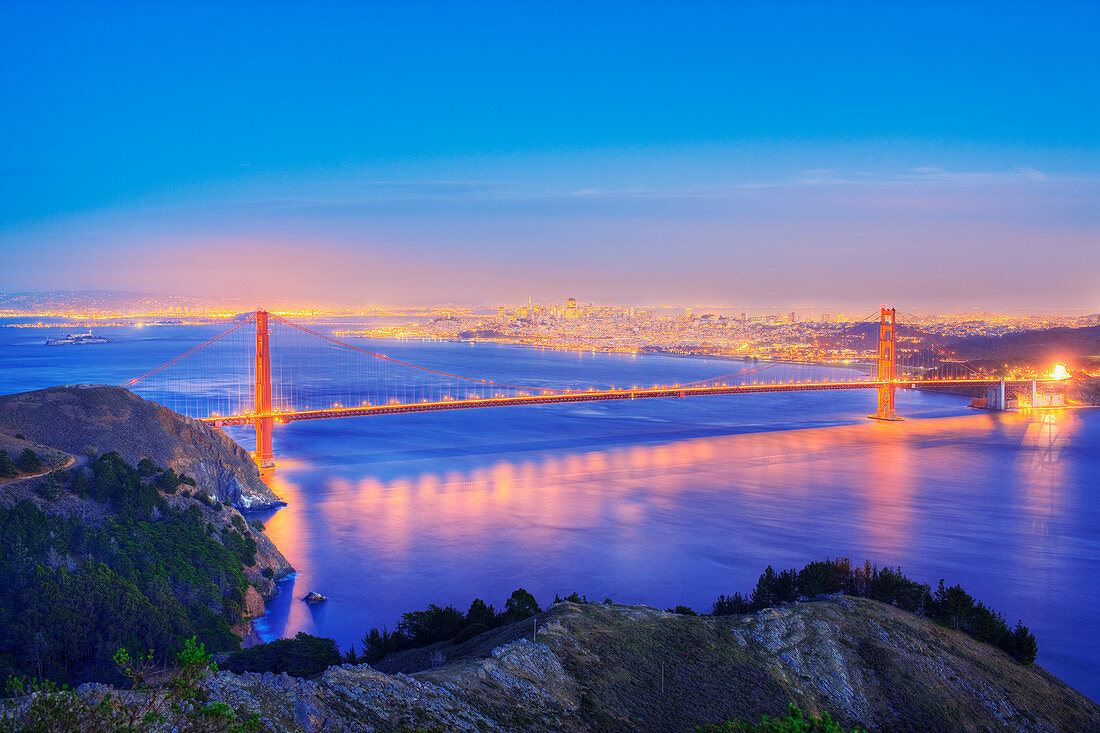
(98, 419)
(1077, 347)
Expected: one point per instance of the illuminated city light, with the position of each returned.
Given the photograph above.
(1059, 371)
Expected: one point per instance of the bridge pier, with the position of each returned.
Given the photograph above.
(995, 397)
(265, 456)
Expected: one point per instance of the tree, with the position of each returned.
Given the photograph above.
(302, 656)
(50, 489)
(79, 483)
(434, 624)
(7, 465)
(480, 613)
(378, 644)
(520, 605)
(28, 461)
(953, 604)
(1020, 643)
(168, 481)
(773, 588)
(730, 605)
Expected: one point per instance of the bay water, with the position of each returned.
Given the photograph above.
(661, 502)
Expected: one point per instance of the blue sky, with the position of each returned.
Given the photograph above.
(933, 155)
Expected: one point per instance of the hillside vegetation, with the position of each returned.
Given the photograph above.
(110, 555)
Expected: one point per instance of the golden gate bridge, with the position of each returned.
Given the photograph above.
(264, 369)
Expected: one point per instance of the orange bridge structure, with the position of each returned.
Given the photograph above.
(288, 372)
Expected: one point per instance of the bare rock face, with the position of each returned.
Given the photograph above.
(602, 667)
(521, 686)
(88, 418)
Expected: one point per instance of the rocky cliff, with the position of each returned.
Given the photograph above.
(601, 667)
(97, 419)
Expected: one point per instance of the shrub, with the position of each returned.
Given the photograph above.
(730, 605)
(302, 656)
(78, 483)
(573, 597)
(437, 623)
(168, 481)
(7, 465)
(28, 461)
(792, 722)
(50, 489)
(177, 700)
(241, 546)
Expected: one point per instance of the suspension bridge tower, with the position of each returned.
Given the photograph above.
(887, 365)
(265, 457)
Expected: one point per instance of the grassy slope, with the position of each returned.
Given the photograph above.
(863, 661)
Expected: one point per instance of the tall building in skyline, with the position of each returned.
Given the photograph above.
(571, 308)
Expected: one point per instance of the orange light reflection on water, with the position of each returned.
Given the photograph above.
(894, 487)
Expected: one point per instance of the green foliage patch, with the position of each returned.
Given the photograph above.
(176, 702)
(302, 656)
(793, 722)
(435, 623)
(149, 577)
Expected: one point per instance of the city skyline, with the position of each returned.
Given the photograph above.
(941, 158)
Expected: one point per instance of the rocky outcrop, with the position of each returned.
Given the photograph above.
(621, 668)
(522, 686)
(84, 419)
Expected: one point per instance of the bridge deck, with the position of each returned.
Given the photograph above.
(590, 396)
